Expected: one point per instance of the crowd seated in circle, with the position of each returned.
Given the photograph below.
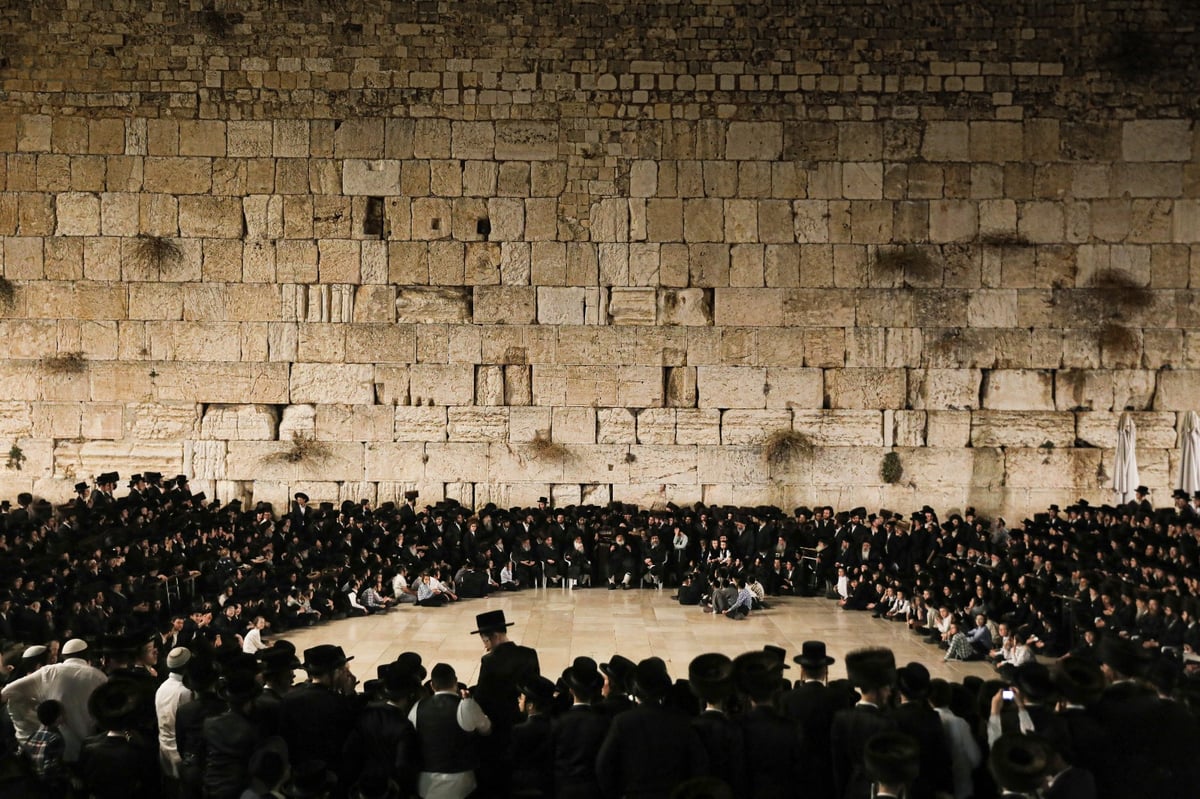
(133, 632)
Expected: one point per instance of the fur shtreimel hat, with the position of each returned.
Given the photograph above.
(872, 668)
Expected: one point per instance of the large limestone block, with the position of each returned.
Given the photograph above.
(1177, 390)
(615, 426)
(658, 464)
(77, 214)
(932, 469)
(731, 387)
(505, 305)
(840, 428)
(526, 424)
(1068, 470)
(698, 426)
(526, 140)
(489, 385)
(609, 220)
(846, 466)
(477, 424)
(355, 422)
(240, 422)
(298, 420)
(525, 462)
(948, 428)
(1157, 140)
(414, 423)
(266, 460)
(793, 387)
(161, 421)
(373, 343)
(866, 388)
(351, 384)
(442, 384)
(632, 306)
(371, 178)
(754, 141)
(573, 425)
(685, 307)
(681, 387)
(221, 382)
(748, 307)
(944, 389)
(433, 304)
(656, 426)
(16, 419)
(100, 421)
(1022, 429)
(724, 464)
(28, 338)
(205, 216)
(752, 427)
(1018, 390)
(588, 461)
(906, 428)
(204, 460)
(561, 305)
(1099, 429)
(88, 458)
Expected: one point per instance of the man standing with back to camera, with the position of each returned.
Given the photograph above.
(501, 669)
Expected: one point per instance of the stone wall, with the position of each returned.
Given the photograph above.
(599, 250)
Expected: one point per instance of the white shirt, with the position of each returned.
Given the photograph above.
(169, 697)
(439, 785)
(253, 641)
(70, 683)
(965, 756)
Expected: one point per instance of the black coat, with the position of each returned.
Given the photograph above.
(499, 673)
(230, 739)
(576, 736)
(774, 754)
(848, 739)
(811, 705)
(922, 722)
(725, 743)
(648, 751)
(316, 721)
(530, 755)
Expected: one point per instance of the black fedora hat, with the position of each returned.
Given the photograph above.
(892, 758)
(537, 688)
(324, 658)
(619, 670)
(115, 704)
(710, 677)
(410, 662)
(913, 680)
(1019, 761)
(777, 652)
(239, 686)
(813, 656)
(583, 677)
(1079, 680)
(651, 680)
(491, 621)
(758, 675)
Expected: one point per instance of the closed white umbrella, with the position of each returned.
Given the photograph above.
(1125, 473)
(1189, 462)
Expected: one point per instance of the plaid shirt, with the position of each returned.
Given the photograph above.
(960, 647)
(45, 752)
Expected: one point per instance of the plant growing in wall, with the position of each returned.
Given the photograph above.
(785, 446)
(8, 293)
(156, 253)
(890, 468)
(304, 448)
(65, 363)
(16, 458)
(543, 447)
(910, 263)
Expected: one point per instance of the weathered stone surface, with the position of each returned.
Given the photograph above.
(573, 425)
(632, 306)
(948, 428)
(866, 388)
(656, 426)
(944, 389)
(794, 387)
(240, 422)
(1154, 430)
(698, 426)
(264, 460)
(355, 423)
(1177, 390)
(1022, 429)
(752, 428)
(350, 384)
(477, 424)
(561, 306)
(731, 387)
(840, 428)
(521, 140)
(616, 426)
(420, 424)
(684, 307)
(438, 384)
(1017, 390)
(432, 304)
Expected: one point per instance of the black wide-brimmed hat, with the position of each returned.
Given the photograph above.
(491, 622)
(619, 670)
(1079, 680)
(115, 704)
(1019, 762)
(650, 679)
(537, 688)
(324, 658)
(892, 758)
(758, 675)
(813, 655)
(710, 677)
(583, 677)
(913, 680)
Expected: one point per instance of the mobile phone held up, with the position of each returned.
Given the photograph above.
(1007, 695)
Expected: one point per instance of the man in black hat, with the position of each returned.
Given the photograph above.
(231, 738)
(811, 705)
(774, 754)
(530, 752)
(711, 678)
(578, 732)
(649, 749)
(120, 762)
(384, 741)
(891, 761)
(449, 725)
(316, 718)
(618, 678)
(873, 672)
(502, 667)
(916, 717)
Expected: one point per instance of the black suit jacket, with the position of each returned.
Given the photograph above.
(648, 751)
(774, 755)
(725, 743)
(848, 738)
(499, 672)
(811, 706)
(922, 722)
(575, 737)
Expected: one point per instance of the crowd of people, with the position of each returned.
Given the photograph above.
(132, 632)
